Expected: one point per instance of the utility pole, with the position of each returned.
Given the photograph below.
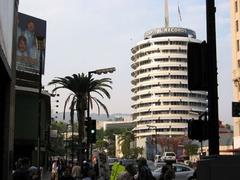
(40, 45)
(212, 82)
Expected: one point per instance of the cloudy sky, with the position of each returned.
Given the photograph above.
(87, 35)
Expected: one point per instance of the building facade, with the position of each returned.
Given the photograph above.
(26, 115)
(8, 12)
(235, 20)
(162, 102)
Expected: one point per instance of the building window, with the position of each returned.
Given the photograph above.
(237, 25)
(236, 6)
(237, 45)
(238, 63)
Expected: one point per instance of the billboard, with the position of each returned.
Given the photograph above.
(27, 52)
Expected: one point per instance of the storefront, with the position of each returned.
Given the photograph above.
(8, 11)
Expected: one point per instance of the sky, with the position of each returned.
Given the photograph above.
(85, 35)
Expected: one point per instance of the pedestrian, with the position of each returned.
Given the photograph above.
(117, 169)
(144, 173)
(163, 172)
(54, 173)
(168, 172)
(22, 172)
(67, 174)
(34, 173)
(76, 171)
(60, 166)
(128, 174)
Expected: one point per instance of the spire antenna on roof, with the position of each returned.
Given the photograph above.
(166, 15)
(179, 12)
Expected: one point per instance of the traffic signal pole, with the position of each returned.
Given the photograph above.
(212, 83)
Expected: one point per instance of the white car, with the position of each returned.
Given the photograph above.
(168, 156)
(182, 172)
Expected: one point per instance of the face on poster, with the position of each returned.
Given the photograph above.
(28, 54)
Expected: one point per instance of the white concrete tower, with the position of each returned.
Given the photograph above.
(160, 90)
(235, 20)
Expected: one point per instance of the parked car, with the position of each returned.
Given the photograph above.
(159, 164)
(168, 156)
(157, 158)
(182, 172)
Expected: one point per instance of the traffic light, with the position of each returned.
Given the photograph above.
(197, 66)
(198, 130)
(91, 131)
(84, 148)
(235, 109)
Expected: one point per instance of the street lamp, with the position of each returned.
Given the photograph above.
(155, 128)
(40, 46)
(170, 135)
(98, 72)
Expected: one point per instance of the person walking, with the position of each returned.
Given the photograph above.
(168, 172)
(76, 171)
(128, 174)
(67, 174)
(117, 169)
(54, 173)
(34, 173)
(144, 173)
(22, 172)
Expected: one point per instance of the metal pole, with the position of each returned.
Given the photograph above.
(88, 99)
(155, 141)
(39, 109)
(72, 142)
(66, 142)
(88, 114)
(212, 84)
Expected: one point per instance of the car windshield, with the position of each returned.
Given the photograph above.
(170, 154)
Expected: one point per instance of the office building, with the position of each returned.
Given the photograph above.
(162, 102)
(235, 19)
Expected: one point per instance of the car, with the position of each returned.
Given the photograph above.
(111, 161)
(168, 156)
(159, 164)
(182, 172)
(157, 158)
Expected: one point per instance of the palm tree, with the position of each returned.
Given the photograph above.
(80, 85)
(125, 140)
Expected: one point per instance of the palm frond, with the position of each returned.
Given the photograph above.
(65, 104)
(98, 107)
(103, 106)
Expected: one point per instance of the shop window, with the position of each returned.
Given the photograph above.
(236, 6)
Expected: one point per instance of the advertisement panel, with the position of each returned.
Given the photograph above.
(28, 53)
(6, 29)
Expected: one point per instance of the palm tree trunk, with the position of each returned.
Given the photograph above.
(81, 119)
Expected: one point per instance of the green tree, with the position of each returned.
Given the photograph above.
(57, 143)
(135, 152)
(125, 139)
(191, 149)
(80, 85)
(99, 134)
(101, 145)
